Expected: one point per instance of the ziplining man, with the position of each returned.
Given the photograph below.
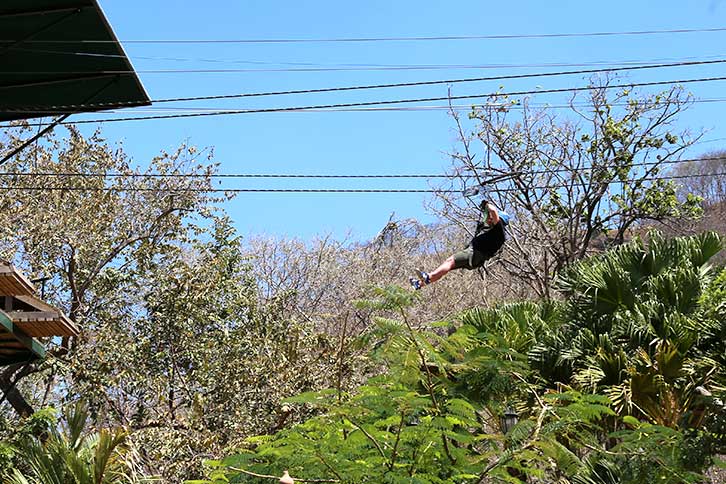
(489, 237)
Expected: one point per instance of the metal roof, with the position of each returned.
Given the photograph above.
(60, 53)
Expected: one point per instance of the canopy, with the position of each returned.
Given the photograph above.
(59, 56)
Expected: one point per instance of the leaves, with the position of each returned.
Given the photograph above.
(74, 456)
(203, 349)
(575, 183)
(624, 347)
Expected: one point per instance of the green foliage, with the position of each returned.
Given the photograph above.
(634, 322)
(201, 364)
(72, 456)
(402, 426)
(36, 426)
(604, 384)
(576, 182)
(712, 337)
(7, 459)
(39, 423)
(381, 434)
(654, 454)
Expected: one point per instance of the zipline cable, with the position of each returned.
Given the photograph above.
(332, 176)
(382, 39)
(442, 107)
(389, 102)
(359, 66)
(413, 67)
(54, 108)
(331, 190)
(402, 109)
(366, 109)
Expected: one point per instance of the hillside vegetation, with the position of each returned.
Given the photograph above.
(589, 351)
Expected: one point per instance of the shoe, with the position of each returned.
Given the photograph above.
(423, 277)
(415, 283)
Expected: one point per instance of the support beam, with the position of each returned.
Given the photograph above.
(42, 11)
(31, 344)
(53, 124)
(55, 22)
(62, 80)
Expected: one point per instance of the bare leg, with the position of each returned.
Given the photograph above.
(442, 270)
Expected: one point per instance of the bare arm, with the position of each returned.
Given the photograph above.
(493, 215)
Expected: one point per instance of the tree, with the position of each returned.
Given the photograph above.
(177, 345)
(705, 177)
(637, 328)
(318, 280)
(645, 318)
(202, 362)
(63, 217)
(576, 183)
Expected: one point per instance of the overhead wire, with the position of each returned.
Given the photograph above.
(613, 182)
(442, 107)
(328, 175)
(413, 67)
(390, 102)
(362, 66)
(387, 39)
(328, 190)
(387, 85)
(383, 39)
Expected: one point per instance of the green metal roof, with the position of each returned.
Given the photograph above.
(57, 53)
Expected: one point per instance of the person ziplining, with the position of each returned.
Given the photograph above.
(489, 237)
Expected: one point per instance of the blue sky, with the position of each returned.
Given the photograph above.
(375, 142)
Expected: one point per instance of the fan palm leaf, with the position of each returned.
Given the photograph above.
(73, 456)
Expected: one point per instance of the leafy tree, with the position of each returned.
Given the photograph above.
(398, 428)
(633, 323)
(177, 345)
(83, 228)
(705, 177)
(200, 364)
(574, 183)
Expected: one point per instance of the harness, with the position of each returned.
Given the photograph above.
(481, 225)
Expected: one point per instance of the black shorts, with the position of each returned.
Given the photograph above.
(483, 247)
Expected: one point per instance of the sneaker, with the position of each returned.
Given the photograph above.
(423, 277)
(415, 283)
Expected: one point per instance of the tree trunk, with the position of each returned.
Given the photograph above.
(8, 380)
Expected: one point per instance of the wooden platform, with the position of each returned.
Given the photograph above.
(13, 282)
(39, 319)
(24, 317)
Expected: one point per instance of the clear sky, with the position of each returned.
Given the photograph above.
(414, 141)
